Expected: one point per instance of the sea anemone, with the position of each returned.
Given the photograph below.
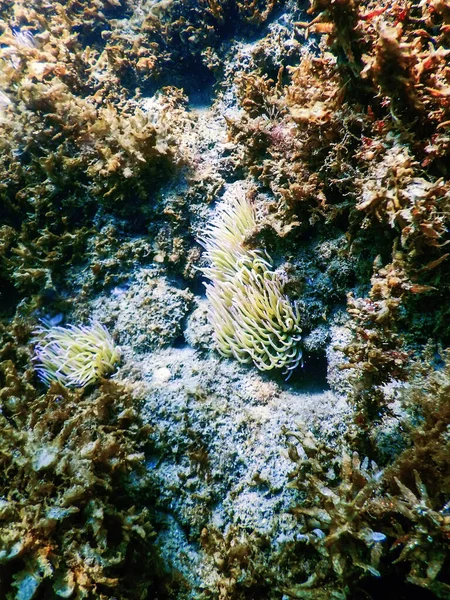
(74, 356)
(253, 320)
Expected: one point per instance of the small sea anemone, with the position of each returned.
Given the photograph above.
(253, 320)
(74, 356)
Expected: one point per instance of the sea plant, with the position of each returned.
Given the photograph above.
(75, 356)
(253, 319)
(424, 539)
(360, 521)
(336, 516)
(65, 529)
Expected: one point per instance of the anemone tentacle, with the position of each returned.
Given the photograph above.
(253, 319)
(74, 355)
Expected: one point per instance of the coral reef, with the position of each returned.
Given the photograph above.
(323, 134)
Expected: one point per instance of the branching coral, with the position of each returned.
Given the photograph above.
(75, 356)
(253, 319)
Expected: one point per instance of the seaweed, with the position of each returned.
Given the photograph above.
(72, 521)
(74, 145)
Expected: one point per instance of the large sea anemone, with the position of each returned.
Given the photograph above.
(75, 356)
(253, 319)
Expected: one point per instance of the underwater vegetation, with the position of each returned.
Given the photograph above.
(358, 523)
(75, 356)
(75, 147)
(338, 118)
(337, 518)
(65, 528)
(343, 139)
(253, 320)
(335, 153)
(366, 521)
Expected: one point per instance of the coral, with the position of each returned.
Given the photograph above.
(253, 320)
(112, 256)
(375, 352)
(75, 356)
(179, 42)
(325, 151)
(73, 126)
(385, 336)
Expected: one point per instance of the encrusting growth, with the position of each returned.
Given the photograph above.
(74, 356)
(253, 320)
